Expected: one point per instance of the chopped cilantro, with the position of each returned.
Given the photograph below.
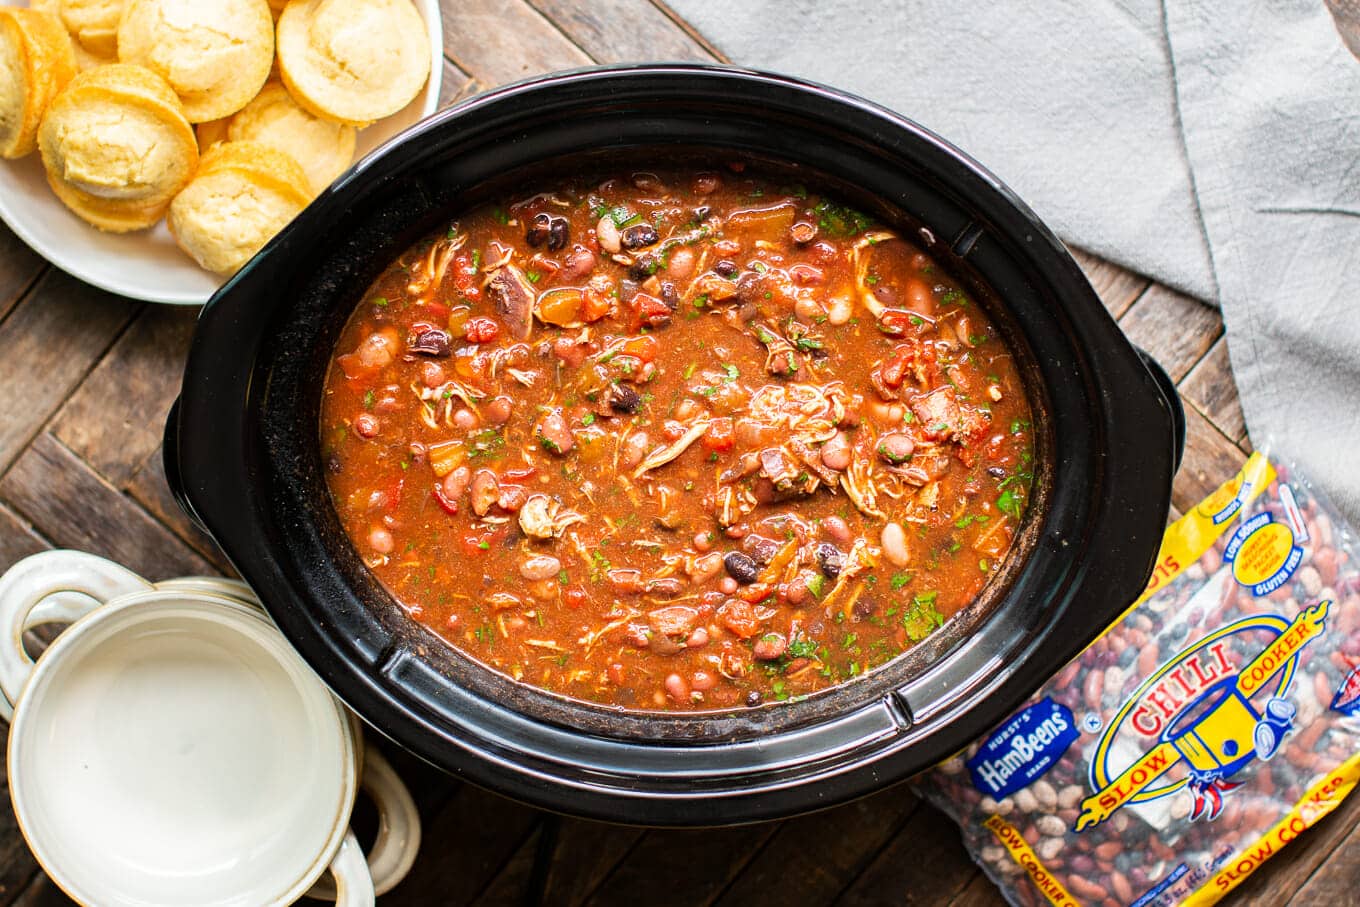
(1010, 503)
(900, 579)
(839, 220)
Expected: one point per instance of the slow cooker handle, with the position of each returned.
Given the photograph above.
(170, 461)
(1173, 402)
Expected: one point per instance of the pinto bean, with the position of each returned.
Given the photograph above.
(770, 647)
(836, 528)
(366, 425)
(499, 410)
(540, 567)
(894, 541)
(677, 688)
(580, 262)
(380, 540)
(836, 452)
(554, 435)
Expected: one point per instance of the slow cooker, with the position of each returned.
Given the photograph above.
(243, 459)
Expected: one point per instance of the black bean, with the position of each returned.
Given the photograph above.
(624, 398)
(645, 266)
(996, 472)
(545, 228)
(701, 213)
(539, 230)
(753, 698)
(639, 236)
(559, 234)
(725, 268)
(433, 342)
(670, 296)
(830, 559)
(741, 567)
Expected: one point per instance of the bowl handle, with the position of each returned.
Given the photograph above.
(394, 851)
(49, 587)
(353, 884)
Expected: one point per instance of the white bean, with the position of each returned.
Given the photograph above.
(894, 541)
(841, 310)
(607, 232)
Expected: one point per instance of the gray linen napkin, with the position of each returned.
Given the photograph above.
(1211, 144)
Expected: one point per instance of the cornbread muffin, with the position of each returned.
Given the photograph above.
(354, 61)
(93, 23)
(36, 62)
(211, 132)
(215, 54)
(117, 147)
(243, 194)
(324, 148)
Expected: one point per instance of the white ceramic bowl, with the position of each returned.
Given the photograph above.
(147, 264)
(170, 747)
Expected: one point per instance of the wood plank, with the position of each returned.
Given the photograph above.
(979, 892)
(499, 41)
(1334, 879)
(1176, 329)
(47, 345)
(465, 846)
(844, 841)
(700, 39)
(924, 864)
(149, 489)
(1210, 460)
(17, 539)
(117, 416)
(1211, 389)
(455, 84)
(17, 865)
(695, 864)
(42, 892)
(616, 31)
(584, 854)
(19, 268)
(72, 505)
(1323, 861)
(1117, 287)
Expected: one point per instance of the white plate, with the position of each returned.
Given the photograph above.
(147, 264)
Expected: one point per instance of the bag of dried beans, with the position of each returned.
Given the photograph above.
(1206, 729)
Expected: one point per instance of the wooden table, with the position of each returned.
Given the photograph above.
(88, 378)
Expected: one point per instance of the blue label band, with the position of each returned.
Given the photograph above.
(1025, 747)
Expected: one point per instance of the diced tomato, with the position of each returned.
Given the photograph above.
(649, 310)
(615, 673)
(897, 322)
(755, 592)
(394, 493)
(481, 330)
(473, 543)
(575, 597)
(595, 303)
(739, 617)
(644, 346)
(437, 309)
(720, 435)
(450, 506)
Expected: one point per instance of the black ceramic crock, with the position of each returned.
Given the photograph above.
(242, 455)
